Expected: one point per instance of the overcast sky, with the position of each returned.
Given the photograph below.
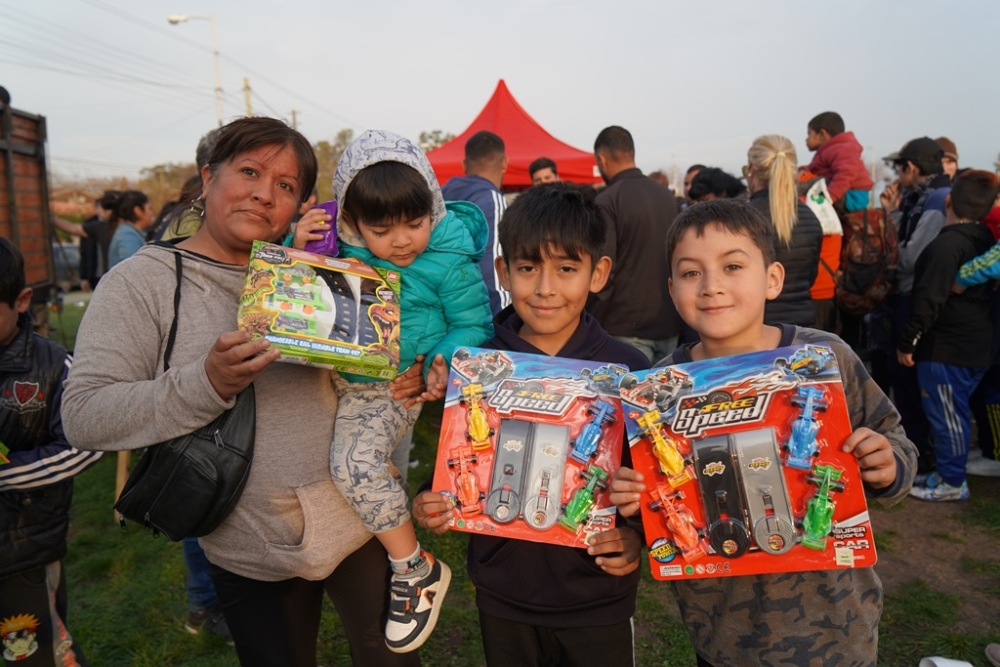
(693, 81)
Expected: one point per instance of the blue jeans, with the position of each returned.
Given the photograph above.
(200, 589)
(944, 393)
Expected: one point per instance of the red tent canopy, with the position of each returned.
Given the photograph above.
(525, 141)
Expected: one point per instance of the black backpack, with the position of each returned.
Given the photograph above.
(868, 259)
(186, 487)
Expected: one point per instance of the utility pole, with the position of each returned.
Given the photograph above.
(246, 96)
(871, 168)
(295, 119)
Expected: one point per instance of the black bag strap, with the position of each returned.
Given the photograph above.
(177, 302)
(833, 274)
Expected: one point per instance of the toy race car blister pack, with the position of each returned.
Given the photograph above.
(322, 311)
(529, 444)
(743, 465)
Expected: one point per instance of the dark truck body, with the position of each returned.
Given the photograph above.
(24, 200)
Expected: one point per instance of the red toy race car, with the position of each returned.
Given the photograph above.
(467, 484)
(680, 521)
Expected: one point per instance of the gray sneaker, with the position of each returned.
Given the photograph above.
(941, 492)
(983, 467)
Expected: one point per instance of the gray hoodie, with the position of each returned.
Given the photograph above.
(290, 520)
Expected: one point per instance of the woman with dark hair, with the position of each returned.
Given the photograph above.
(134, 216)
(771, 174)
(95, 245)
(291, 536)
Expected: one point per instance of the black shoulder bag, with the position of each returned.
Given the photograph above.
(186, 486)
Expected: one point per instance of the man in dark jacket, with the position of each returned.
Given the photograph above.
(485, 163)
(634, 307)
(37, 466)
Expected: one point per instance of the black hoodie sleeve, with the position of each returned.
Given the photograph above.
(935, 274)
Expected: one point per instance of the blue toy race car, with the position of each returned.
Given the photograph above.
(585, 445)
(801, 446)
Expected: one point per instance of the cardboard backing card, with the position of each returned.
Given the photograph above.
(529, 444)
(322, 311)
(743, 465)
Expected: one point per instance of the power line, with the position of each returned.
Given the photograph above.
(74, 42)
(141, 22)
(155, 130)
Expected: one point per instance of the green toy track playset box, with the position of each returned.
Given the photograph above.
(322, 311)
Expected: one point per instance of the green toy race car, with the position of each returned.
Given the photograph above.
(818, 521)
(579, 506)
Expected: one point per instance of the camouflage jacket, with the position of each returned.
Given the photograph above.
(828, 617)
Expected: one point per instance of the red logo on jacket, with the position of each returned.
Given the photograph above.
(25, 397)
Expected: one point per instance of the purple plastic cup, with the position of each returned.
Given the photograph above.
(328, 244)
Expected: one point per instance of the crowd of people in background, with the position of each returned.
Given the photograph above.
(619, 270)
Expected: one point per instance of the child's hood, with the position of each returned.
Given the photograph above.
(845, 141)
(380, 146)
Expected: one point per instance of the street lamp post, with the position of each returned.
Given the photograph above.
(174, 19)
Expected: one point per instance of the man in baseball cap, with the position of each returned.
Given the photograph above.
(922, 152)
(916, 202)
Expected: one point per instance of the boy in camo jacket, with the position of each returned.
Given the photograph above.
(722, 271)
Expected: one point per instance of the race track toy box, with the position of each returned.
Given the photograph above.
(743, 465)
(529, 444)
(322, 311)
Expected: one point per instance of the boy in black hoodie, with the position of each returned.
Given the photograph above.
(541, 604)
(949, 336)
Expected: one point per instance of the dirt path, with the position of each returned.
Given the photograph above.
(928, 541)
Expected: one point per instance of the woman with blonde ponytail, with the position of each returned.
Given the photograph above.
(771, 174)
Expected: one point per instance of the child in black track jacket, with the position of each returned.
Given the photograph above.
(542, 604)
(949, 337)
(37, 466)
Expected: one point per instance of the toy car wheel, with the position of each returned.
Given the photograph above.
(585, 373)
(461, 354)
(814, 367)
(781, 362)
(775, 535)
(729, 538)
(629, 381)
(664, 400)
(719, 397)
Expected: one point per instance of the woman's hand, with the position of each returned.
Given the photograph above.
(437, 380)
(310, 227)
(410, 385)
(235, 361)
